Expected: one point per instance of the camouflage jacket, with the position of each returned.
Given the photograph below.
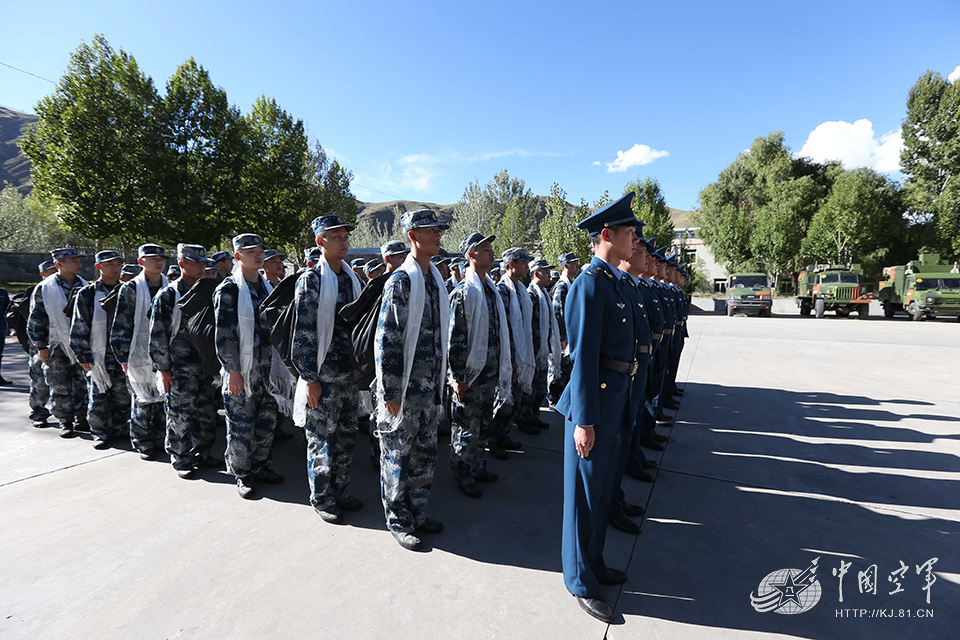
(459, 340)
(38, 323)
(559, 298)
(389, 340)
(226, 334)
(82, 322)
(338, 364)
(121, 330)
(164, 352)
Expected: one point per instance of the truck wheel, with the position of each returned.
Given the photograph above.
(914, 312)
(843, 313)
(888, 310)
(819, 307)
(804, 308)
(863, 310)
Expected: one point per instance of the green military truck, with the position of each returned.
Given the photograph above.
(749, 292)
(822, 288)
(924, 288)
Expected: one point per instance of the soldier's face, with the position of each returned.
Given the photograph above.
(69, 266)
(395, 260)
(110, 270)
(521, 268)
(250, 257)
(153, 265)
(377, 272)
(225, 266)
(47, 273)
(335, 243)
(427, 239)
(542, 277)
(273, 267)
(192, 270)
(483, 255)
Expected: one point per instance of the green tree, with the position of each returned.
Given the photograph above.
(27, 224)
(328, 193)
(781, 225)
(862, 215)
(97, 146)
(931, 155)
(650, 206)
(485, 210)
(558, 229)
(275, 192)
(205, 144)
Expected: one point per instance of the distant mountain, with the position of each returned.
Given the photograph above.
(14, 166)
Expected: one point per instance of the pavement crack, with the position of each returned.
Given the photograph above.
(71, 466)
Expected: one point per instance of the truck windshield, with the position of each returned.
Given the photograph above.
(830, 277)
(950, 283)
(851, 278)
(748, 281)
(926, 284)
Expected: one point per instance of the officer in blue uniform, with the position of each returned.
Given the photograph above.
(596, 403)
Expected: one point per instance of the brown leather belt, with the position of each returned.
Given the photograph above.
(645, 349)
(620, 366)
(668, 332)
(657, 337)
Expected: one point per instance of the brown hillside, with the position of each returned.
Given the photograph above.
(14, 166)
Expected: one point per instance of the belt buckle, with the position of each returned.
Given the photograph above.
(633, 368)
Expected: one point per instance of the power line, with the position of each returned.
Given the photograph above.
(10, 66)
(392, 195)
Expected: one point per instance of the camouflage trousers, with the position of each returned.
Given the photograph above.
(505, 414)
(408, 457)
(108, 412)
(147, 424)
(191, 406)
(251, 423)
(39, 391)
(528, 411)
(470, 430)
(331, 431)
(68, 387)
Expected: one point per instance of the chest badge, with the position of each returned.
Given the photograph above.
(621, 305)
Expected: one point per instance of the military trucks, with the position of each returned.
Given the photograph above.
(822, 288)
(924, 288)
(749, 292)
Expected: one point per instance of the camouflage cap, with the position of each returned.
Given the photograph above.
(325, 223)
(211, 265)
(247, 241)
(106, 256)
(312, 253)
(516, 253)
(357, 263)
(191, 252)
(438, 259)
(537, 265)
(150, 250)
(421, 218)
(65, 252)
(173, 271)
(494, 272)
(46, 265)
(459, 263)
(130, 269)
(568, 257)
(474, 240)
(372, 266)
(220, 256)
(392, 248)
(273, 253)
(554, 275)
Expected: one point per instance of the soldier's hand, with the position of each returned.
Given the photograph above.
(393, 407)
(314, 391)
(44, 356)
(459, 388)
(235, 383)
(167, 379)
(563, 344)
(86, 366)
(124, 366)
(584, 438)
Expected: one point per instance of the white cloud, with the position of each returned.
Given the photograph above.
(854, 145)
(595, 163)
(954, 75)
(636, 156)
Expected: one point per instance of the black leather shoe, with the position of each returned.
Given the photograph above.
(82, 426)
(100, 444)
(330, 514)
(543, 425)
(670, 404)
(632, 510)
(408, 541)
(649, 464)
(678, 392)
(209, 462)
(471, 490)
(187, 473)
(245, 488)
(498, 452)
(487, 476)
(349, 503)
(430, 526)
(660, 438)
(148, 454)
(510, 444)
(528, 428)
(637, 473)
(596, 607)
(665, 421)
(620, 522)
(38, 423)
(650, 443)
(613, 577)
(268, 476)
(66, 430)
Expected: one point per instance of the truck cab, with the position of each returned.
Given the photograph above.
(837, 288)
(925, 288)
(749, 293)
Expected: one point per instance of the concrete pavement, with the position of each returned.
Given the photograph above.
(797, 439)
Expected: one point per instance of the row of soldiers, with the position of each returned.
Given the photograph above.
(394, 352)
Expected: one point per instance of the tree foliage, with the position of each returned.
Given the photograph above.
(931, 156)
(650, 206)
(558, 229)
(504, 207)
(27, 225)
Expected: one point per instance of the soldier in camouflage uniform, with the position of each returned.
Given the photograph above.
(108, 403)
(39, 391)
(129, 271)
(473, 397)
(408, 389)
(570, 266)
(224, 260)
(51, 338)
(146, 412)
(528, 416)
(190, 399)
(327, 391)
(251, 410)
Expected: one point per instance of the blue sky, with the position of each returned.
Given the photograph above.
(418, 99)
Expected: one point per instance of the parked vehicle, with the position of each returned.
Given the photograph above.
(924, 288)
(837, 288)
(749, 292)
